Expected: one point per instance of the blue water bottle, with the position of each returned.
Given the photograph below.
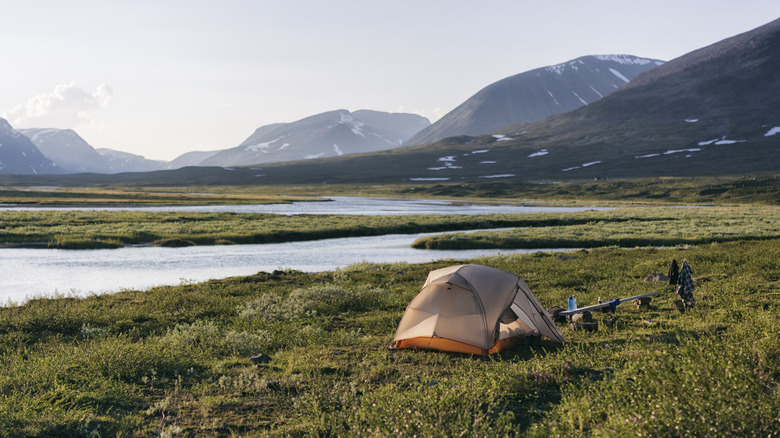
(572, 303)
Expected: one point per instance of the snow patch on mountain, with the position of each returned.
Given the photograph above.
(625, 59)
(501, 137)
(677, 151)
(505, 175)
(773, 131)
(590, 163)
(429, 179)
(263, 147)
(721, 141)
(619, 75)
(553, 98)
(539, 153)
(596, 91)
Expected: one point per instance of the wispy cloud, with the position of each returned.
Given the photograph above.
(66, 107)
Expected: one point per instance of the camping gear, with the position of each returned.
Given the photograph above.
(609, 304)
(674, 272)
(473, 309)
(685, 288)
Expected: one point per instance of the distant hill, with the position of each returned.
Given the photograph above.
(329, 134)
(713, 111)
(120, 162)
(537, 94)
(66, 148)
(18, 155)
(190, 159)
(73, 154)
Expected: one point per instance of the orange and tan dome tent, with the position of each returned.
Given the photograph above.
(473, 309)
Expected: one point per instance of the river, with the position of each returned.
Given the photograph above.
(28, 273)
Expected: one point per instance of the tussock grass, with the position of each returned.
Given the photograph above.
(175, 359)
(627, 227)
(103, 229)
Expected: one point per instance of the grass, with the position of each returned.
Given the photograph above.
(140, 190)
(112, 195)
(635, 226)
(627, 227)
(83, 229)
(174, 361)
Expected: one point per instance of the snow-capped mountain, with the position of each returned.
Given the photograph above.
(537, 94)
(711, 112)
(18, 155)
(66, 148)
(74, 155)
(329, 134)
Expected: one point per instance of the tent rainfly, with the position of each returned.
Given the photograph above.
(473, 309)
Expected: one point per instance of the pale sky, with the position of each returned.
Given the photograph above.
(161, 77)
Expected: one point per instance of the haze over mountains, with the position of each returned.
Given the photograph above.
(19, 155)
(527, 96)
(537, 94)
(713, 111)
(330, 134)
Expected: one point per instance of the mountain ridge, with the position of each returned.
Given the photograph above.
(328, 134)
(18, 155)
(536, 94)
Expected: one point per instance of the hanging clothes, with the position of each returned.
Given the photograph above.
(674, 272)
(686, 287)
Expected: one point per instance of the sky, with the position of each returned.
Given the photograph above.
(160, 78)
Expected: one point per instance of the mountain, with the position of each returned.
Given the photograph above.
(18, 155)
(66, 148)
(329, 134)
(74, 155)
(120, 162)
(713, 111)
(190, 159)
(537, 94)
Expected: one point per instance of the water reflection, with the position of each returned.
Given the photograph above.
(36, 272)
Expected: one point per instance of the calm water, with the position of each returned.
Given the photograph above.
(27, 273)
(349, 205)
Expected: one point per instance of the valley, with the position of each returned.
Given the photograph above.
(254, 289)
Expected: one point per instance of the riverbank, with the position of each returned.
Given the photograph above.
(175, 360)
(113, 229)
(627, 227)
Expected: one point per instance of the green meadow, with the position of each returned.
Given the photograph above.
(107, 229)
(627, 227)
(175, 360)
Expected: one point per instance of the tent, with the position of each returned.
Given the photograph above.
(473, 309)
